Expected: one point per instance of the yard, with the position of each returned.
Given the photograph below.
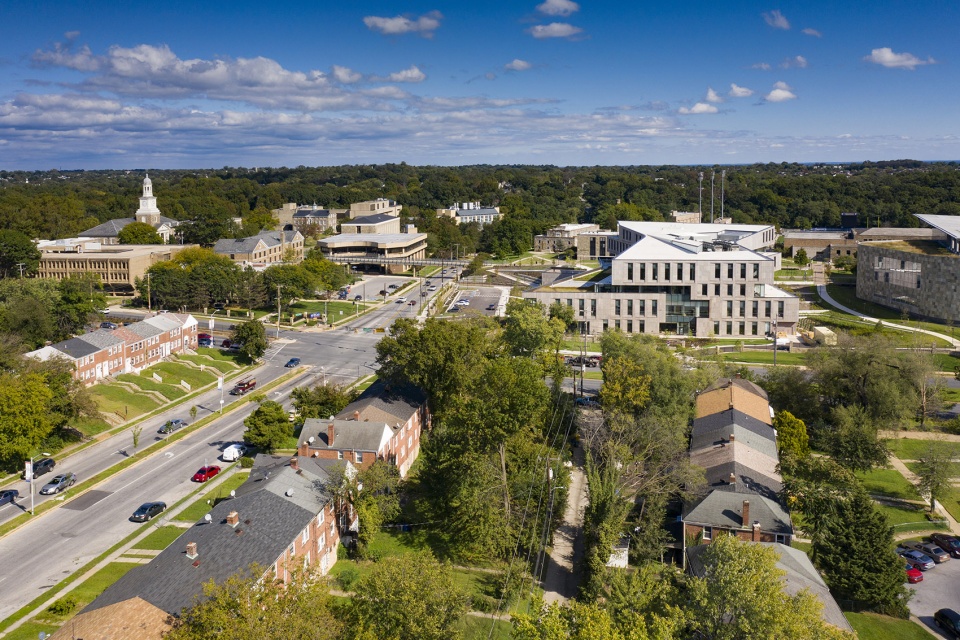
(906, 517)
(173, 373)
(913, 449)
(85, 593)
(847, 296)
(147, 383)
(161, 538)
(203, 505)
(888, 482)
(873, 626)
(114, 399)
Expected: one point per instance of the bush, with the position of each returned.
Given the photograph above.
(347, 578)
(246, 462)
(64, 606)
(483, 603)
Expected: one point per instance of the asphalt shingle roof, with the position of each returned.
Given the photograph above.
(76, 348)
(102, 338)
(730, 417)
(390, 403)
(724, 509)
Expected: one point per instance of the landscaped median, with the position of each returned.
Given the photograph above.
(90, 483)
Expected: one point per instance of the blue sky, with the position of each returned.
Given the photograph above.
(173, 84)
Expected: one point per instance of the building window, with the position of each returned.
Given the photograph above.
(729, 308)
(716, 327)
(305, 535)
(679, 271)
(743, 290)
(756, 271)
(693, 271)
(593, 307)
(616, 307)
(716, 290)
(708, 533)
(766, 309)
(643, 271)
(580, 304)
(616, 324)
(730, 290)
(704, 290)
(780, 309)
(781, 538)
(643, 307)
(359, 456)
(666, 272)
(730, 270)
(629, 326)
(653, 307)
(320, 517)
(339, 455)
(642, 326)
(629, 307)
(716, 270)
(629, 271)
(655, 268)
(293, 550)
(743, 270)
(729, 328)
(743, 308)
(753, 328)
(754, 308)
(742, 328)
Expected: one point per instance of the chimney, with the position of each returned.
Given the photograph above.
(233, 518)
(331, 432)
(733, 478)
(356, 416)
(295, 463)
(756, 531)
(192, 550)
(746, 512)
(732, 437)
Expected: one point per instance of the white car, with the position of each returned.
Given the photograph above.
(401, 299)
(234, 452)
(463, 303)
(433, 288)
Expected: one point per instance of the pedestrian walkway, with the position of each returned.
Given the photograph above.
(562, 578)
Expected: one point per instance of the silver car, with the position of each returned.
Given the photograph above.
(930, 549)
(59, 483)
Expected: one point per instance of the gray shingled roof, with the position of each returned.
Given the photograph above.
(269, 522)
(144, 329)
(102, 338)
(248, 244)
(383, 402)
(76, 348)
(349, 435)
(728, 418)
(800, 574)
(744, 384)
(723, 509)
(312, 213)
(720, 437)
(746, 480)
(108, 229)
(375, 218)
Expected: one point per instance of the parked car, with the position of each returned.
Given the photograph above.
(463, 302)
(491, 307)
(453, 309)
(40, 467)
(244, 386)
(148, 510)
(172, 425)
(204, 336)
(424, 294)
(917, 559)
(948, 621)
(59, 483)
(383, 292)
(948, 543)
(412, 303)
(225, 344)
(205, 473)
(108, 325)
(204, 342)
(358, 297)
(393, 286)
(913, 575)
(930, 549)
(10, 495)
(292, 362)
(234, 452)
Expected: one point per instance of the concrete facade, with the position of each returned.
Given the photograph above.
(378, 223)
(561, 237)
(371, 207)
(265, 248)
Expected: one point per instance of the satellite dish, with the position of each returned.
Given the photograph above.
(233, 494)
(310, 439)
(208, 518)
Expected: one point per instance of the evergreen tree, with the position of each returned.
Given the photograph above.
(791, 435)
(268, 427)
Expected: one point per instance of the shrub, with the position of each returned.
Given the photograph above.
(347, 578)
(246, 462)
(64, 606)
(483, 603)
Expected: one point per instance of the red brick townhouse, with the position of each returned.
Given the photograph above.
(384, 423)
(128, 349)
(279, 520)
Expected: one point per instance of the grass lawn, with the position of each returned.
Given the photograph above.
(91, 426)
(803, 546)
(847, 296)
(161, 538)
(951, 501)
(204, 504)
(908, 518)
(951, 396)
(888, 482)
(31, 631)
(219, 354)
(366, 383)
(845, 322)
(954, 468)
(222, 366)
(764, 357)
(873, 626)
(472, 627)
(147, 383)
(333, 307)
(946, 362)
(88, 590)
(912, 449)
(111, 398)
(173, 373)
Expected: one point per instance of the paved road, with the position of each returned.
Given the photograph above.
(41, 553)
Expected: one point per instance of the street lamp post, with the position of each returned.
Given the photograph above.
(775, 341)
(32, 458)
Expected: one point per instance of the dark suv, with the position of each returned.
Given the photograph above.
(40, 467)
(172, 425)
(948, 543)
(949, 622)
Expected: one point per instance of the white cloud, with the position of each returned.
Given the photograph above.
(554, 30)
(811, 32)
(517, 65)
(776, 20)
(346, 75)
(425, 25)
(763, 66)
(558, 7)
(412, 74)
(781, 93)
(796, 62)
(886, 57)
(713, 96)
(699, 108)
(736, 91)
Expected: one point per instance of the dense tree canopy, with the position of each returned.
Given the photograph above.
(139, 233)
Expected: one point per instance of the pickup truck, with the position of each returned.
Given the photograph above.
(244, 386)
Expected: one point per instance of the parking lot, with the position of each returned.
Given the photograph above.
(940, 589)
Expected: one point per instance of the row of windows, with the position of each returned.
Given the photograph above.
(667, 271)
(754, 309)
(641, 307)
(739, 328)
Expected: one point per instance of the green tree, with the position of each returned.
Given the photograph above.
(247, 606)
(791, 435)
(741, 595)
(24, 416)
(853, 549)
(854, 440)
(81, 297)
(253, 336)
(268, 427)
(17, 250)
(139, 233)
(413, 597)
(800, 258)
(375, 499)
(528, 331)
(815, 485)
(934, 471)
(791, 389)
(565, 314)
(626, 386)
(322, 401)
(573, 621)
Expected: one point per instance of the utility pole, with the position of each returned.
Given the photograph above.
(149, 307)
(278, 311)
(700, 206)
(713, 174)
(723, 174)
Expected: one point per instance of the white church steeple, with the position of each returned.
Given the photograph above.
(148, 211)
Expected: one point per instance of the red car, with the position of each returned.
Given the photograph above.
(914, 575)
(206, 473)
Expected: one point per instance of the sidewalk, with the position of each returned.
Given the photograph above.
(562, 577)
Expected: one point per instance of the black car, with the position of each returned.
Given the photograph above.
(949, 622)
(172, 425)
(358, 297)
(147, 511)
(292, 362)
(948, 543)
(40, 467)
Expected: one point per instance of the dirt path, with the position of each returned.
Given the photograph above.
(562, 575)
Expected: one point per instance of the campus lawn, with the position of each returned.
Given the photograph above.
(220, 366)
(173, 373)
(873, 626)
(888, 482)
(908, 517)
(111, 398)
(168, 391)
(847, 296)
(764, 357)
(231, 357)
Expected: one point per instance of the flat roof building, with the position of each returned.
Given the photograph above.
(118, 265)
